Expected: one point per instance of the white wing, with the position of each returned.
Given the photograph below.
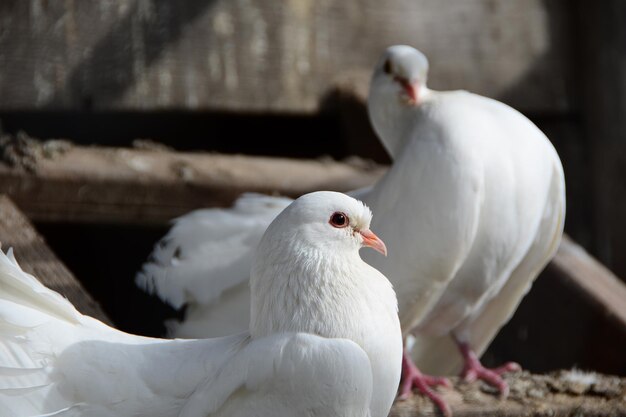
(295, 375)
(209, 252)
(56, 362)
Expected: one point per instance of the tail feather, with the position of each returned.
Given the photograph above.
(56, 362)
(25, 290)
(30, 315)
(208, 251)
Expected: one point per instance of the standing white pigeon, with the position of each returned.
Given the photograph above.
(482, 194)
(472, 209)
(324, 337)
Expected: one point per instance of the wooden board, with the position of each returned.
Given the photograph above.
(90, 184)
(36, 258)
(606, 292)
(268, 56)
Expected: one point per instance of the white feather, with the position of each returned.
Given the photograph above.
(183, 260)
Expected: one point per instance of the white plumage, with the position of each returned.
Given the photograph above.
(323, 319)
(472, 209)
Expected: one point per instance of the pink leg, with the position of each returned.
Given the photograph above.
(413, 378)
(474, 370)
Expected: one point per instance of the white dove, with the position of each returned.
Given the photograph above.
(324, 337)
(472, 208)
(482, 192)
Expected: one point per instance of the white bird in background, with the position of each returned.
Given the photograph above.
(324, 337)
(482, 194)
(472, 210)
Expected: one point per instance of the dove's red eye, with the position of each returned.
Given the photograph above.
(339, 220)
(387, 67)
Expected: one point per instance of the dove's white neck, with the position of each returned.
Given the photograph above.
(317, 290)
(317, 296)
(393, 118)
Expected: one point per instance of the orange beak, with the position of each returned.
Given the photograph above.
(410, 89)
(373, 241)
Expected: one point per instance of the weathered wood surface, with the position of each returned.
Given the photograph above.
(91, 184)
(562, 394)
(600, 286)
(36, 258)
(271, 56)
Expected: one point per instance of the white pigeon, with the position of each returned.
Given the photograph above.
(472, 209)
(482, 194)
(324, 337)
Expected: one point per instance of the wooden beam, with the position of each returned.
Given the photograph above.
(36, 258)
(90, 184)
(562, 394)
(600, 287)
(268, 56)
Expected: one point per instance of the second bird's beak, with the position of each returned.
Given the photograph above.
(373, 241)
(411, 89)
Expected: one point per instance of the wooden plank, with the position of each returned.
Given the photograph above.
(562, 394)
(271, 56)
(37, 259)
(90, 184)
(600, 286)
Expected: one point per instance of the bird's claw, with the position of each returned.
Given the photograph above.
(436, 381)
(412, 378)
(474, 370)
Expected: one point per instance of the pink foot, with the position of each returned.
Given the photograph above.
(413, 378)
(474, 370)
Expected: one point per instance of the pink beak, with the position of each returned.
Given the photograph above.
(411, 89)
(373, 241)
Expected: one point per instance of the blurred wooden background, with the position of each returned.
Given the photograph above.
(267, 56)
(288, 78)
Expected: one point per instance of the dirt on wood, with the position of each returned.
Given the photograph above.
(152, 185)
(560, 394)
(23, 152)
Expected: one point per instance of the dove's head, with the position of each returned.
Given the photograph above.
(324, 221)
(400, 75)
(397, 89)
(306, 259)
